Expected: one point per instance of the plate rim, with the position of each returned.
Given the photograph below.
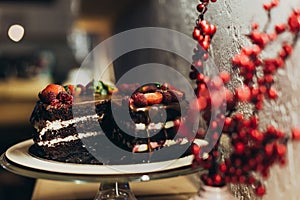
(19, 155)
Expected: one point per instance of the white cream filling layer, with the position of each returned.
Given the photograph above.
(58, 124)
(50, 143)
(153, 126)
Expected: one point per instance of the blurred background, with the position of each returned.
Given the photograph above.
(42, 41)
(45, 41)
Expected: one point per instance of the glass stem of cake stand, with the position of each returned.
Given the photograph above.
(110, 191)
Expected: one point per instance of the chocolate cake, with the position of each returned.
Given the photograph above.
(101, 124)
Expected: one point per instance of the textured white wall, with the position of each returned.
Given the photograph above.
(233, 19)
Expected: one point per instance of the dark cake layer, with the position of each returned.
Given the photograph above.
(70, 152)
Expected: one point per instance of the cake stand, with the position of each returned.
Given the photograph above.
(114, 179)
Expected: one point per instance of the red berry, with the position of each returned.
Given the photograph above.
(269, 149)
(265, 173)
(254, 121)
(209, 181)
(198, 64)
(259, 105)
(260, 190)
(200, 39)
(217, 82)
(213, 29)
(243, 93)
(267, 6)
(200, 7)
(239, 148)
(200, 77)
(238, 117)
(53, 88)
(195, 150)
(217, 179)
(275, 3)
(217, 98)
(281, 149)
(202, 103)
(258, 136)
(139, 99)
(255, 26)
(252, 162)
(280, 28)
(272, 93)
(228, 123)
(262, 89)
(294, 22)
(269, 78)
(225, 76)
(223, 168)
(205, 27)
(230, 99)
(296, 133)
(205, 44)
(196, 33)
(288, 49)
(205, 56)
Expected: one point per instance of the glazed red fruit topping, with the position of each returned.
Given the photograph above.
(53, 88)
(154, 98)
(65, 97)
(149, 88)
(50, 93)
(47, 97)
(167, 97)
(139, 99)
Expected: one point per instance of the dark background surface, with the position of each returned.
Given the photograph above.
(13, 186)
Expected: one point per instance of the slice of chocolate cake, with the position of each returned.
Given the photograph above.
(56, 134)
(98, 124)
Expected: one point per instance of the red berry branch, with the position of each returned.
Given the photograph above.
(254, 148)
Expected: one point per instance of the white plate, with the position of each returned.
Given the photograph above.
(19, 155)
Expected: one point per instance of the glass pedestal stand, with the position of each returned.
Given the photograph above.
(114, 181)
(119, 191)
